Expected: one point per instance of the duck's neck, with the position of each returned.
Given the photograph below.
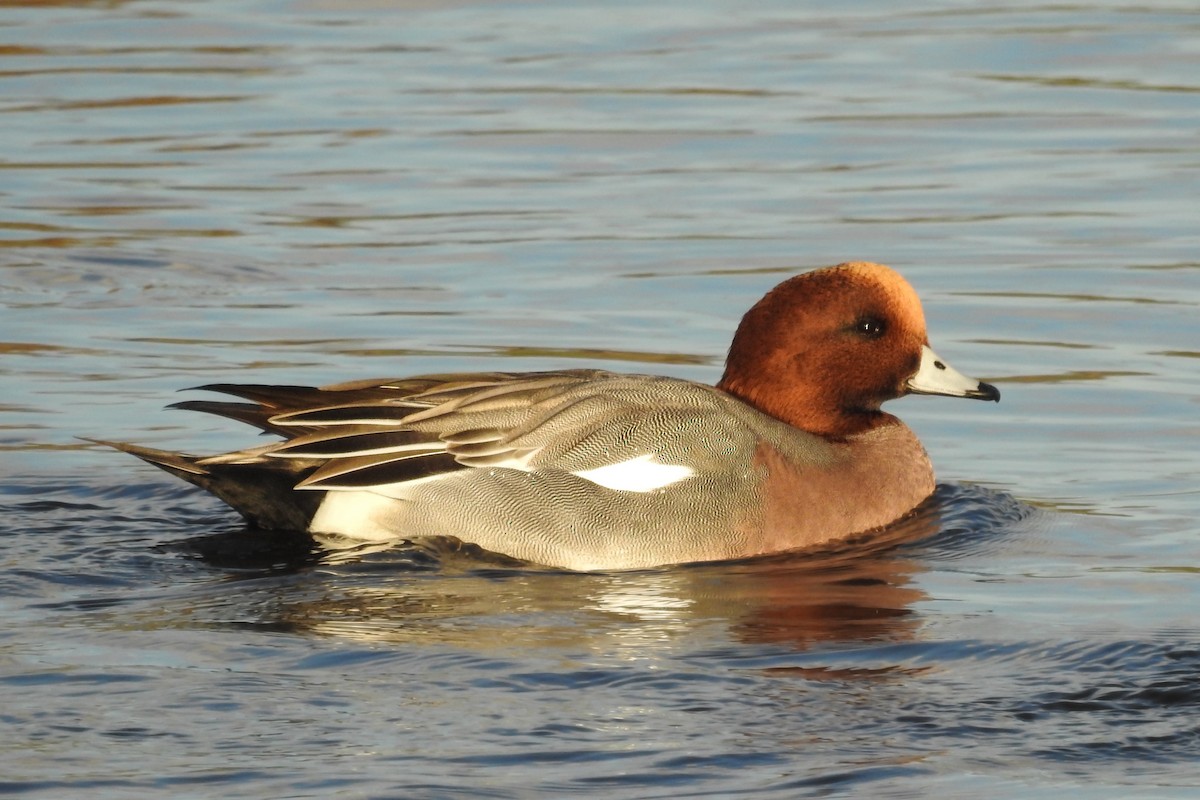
(806, 410)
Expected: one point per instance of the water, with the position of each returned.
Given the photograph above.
(318, 191)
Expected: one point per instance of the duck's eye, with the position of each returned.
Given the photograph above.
(870, 327)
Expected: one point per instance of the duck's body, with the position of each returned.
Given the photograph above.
(586, 469)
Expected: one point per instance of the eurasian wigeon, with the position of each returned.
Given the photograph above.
(594, 470)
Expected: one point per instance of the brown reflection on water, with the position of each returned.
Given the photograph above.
(1074, 297)
(859, 591)
(1074, 375)
(127, 102)
(599, 354)
(61, 3)
(446, 593)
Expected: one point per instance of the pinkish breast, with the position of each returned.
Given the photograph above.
(868, 481)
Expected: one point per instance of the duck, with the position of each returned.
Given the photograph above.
(591, 470)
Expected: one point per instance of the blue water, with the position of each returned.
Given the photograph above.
(314, 192)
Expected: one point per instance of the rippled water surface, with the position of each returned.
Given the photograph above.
(311, 191)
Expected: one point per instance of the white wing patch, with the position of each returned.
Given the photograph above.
(640, 474)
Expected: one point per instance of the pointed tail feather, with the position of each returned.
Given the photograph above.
(178, 464)
(249, 413)
(262, 491)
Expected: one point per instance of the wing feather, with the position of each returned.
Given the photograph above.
(342, 443)
(367, 472)
(376, 433)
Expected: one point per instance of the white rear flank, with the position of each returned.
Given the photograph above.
(357, 514)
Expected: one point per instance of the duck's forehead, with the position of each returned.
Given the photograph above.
(889, 287)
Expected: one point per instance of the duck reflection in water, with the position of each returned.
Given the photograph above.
(440, 591)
